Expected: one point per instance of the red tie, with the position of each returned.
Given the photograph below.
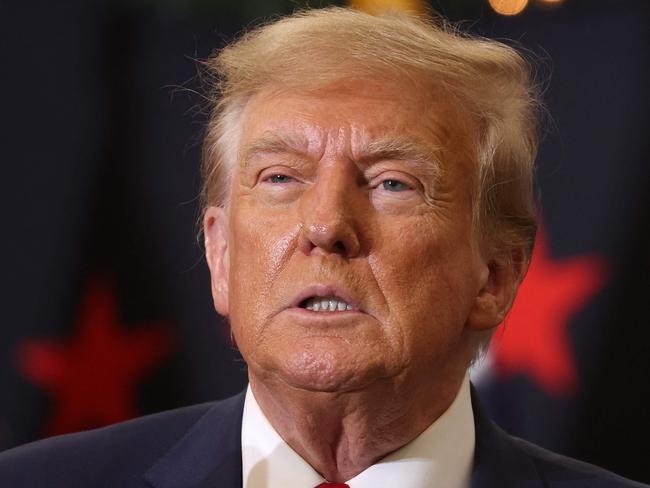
(332, 485)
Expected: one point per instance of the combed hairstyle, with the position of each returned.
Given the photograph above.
(490, 81)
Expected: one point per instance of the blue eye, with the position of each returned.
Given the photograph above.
(280, 179)
(394, 185)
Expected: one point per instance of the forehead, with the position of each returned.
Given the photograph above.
(351, 116)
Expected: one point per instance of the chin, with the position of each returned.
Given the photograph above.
(325, 372)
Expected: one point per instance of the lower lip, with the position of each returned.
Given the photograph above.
(304, 312)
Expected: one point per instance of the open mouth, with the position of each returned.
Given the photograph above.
(325, 304)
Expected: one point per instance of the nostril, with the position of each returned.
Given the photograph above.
(338, 237)
(339, 246)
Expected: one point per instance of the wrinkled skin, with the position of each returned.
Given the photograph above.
(315, 209)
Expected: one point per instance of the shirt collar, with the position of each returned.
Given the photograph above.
(442, 455)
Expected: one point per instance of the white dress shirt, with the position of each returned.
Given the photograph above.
(441, 456)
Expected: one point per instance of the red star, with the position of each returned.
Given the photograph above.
(533, 339)
(92, 377)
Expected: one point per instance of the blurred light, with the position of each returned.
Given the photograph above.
(549, 4)
(508, 7)
(377, 6)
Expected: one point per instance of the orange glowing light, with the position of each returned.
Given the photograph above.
(549, 4)
(508, 7)
(378, 6)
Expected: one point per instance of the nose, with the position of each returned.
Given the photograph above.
(330, 215)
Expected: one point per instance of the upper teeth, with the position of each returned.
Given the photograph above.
(326, 304)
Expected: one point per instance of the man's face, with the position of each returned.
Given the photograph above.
(347, 254)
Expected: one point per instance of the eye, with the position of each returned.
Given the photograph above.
(280, 178)
(394, 185)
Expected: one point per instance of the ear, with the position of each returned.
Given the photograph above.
(500, 280)
(215, 231)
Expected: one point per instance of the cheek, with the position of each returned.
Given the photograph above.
(257, 238)
(259, 250)
(426, 280)
(405, 259)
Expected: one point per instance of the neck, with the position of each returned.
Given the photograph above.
(342, 434)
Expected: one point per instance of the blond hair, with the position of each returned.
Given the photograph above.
(315, 48)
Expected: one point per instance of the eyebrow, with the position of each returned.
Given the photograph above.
(274, 143)
(425, 156)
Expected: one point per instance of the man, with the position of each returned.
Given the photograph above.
(368, 219)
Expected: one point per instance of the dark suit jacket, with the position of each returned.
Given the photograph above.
(200, 447)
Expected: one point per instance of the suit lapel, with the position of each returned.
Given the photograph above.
(498, 463)
(208, 455)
